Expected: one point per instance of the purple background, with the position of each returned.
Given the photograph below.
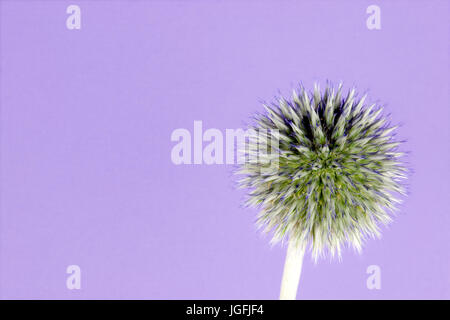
(86, 118)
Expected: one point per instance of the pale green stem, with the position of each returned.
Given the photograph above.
(292, 271)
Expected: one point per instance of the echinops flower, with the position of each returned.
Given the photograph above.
(338, 170)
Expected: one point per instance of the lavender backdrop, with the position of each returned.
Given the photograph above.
(86, 118)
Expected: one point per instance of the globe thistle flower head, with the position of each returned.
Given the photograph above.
(338, 170)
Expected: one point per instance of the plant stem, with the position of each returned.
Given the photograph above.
(292, 271)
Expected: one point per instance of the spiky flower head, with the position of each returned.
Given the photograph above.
(338, 170)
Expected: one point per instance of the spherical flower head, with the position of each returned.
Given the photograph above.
(337, 170)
